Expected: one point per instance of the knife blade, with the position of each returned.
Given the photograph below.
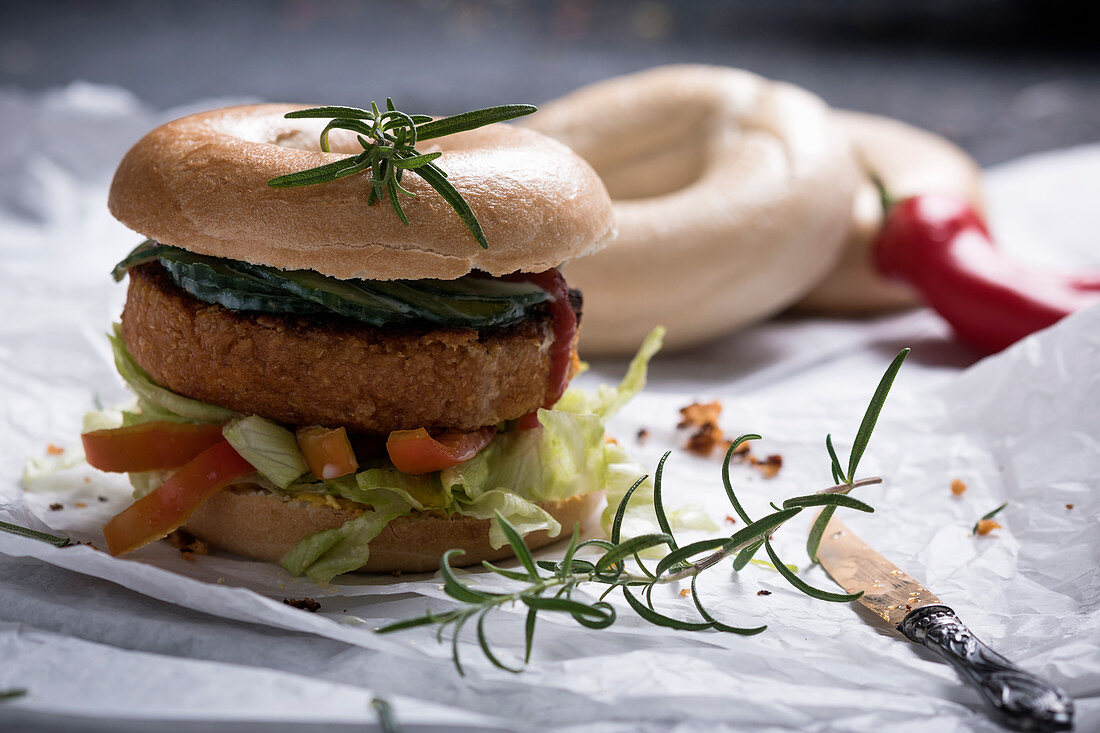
(1018, 699)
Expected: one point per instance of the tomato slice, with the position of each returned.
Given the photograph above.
(150, 446)
(328, 453)
(157, 514)
(415, 452)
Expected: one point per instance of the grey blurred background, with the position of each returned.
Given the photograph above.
(1001, 78)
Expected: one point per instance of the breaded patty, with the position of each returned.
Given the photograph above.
(333, 371)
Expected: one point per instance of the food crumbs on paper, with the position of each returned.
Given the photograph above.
(958, 487)
(56, 507)
(100, 499)
(731, 520)
(708, 435)
(80, 505)
(188, 545)
(1069, 506)
(703, 416)
(306, 604)
(763, 592)
(985, 526)
(642, 435)
(88, 480)
(769, 467)
(54, 450)
(684, 593)
(705, 440)
(699, 414)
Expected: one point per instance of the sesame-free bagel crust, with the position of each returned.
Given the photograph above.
(200, 183)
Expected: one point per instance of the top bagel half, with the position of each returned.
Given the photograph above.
(732, 198)
(200, 183)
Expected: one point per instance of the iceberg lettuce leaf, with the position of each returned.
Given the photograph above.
(270, 448)
(324, 555)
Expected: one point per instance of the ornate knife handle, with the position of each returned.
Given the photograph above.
(1020, 700)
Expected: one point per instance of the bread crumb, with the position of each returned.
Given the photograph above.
(684, 593)
(985, 526)
(763, 592)
(769, 467)
(699, 414)
(1069, 506)
(101, 499)
(306, 604)
(80, 505)
(88, 480)
(731, 520)
(705, 440)
(958, 487)
(56, 507)
(188, 545)
(642, 436)
(54, 450)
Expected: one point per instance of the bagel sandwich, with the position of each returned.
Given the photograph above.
(322, 384)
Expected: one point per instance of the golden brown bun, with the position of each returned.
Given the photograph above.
(334, 372)
(909, 161)
(732, 196)
(253, 523)
(200, 183)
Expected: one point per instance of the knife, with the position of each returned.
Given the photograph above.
(1019, 700)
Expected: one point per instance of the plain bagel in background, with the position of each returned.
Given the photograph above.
(735, 198)
(732, 196)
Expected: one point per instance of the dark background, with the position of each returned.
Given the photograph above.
(1001, 78)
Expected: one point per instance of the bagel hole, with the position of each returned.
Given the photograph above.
(660, 164)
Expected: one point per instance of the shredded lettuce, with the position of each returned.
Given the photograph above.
(270, 448)
(324, 555)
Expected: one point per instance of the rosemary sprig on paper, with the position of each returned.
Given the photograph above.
(389, 138)
(617, 564)
(34, 534)
(863, 437)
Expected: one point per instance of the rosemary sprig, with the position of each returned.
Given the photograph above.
(389, 138)
(859, 445)
(553, 590)
(34, 534)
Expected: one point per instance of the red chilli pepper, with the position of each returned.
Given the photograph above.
(942, 247)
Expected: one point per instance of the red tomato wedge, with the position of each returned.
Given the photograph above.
(328, 453)
(157, 514)
(150, 446)
(415, 452)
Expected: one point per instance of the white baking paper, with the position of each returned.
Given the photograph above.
(118, 643)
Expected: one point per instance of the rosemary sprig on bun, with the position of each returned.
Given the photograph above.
(389, 140)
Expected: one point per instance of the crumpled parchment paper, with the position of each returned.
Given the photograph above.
(108, 643)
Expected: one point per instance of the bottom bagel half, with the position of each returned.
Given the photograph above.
(249, 521)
